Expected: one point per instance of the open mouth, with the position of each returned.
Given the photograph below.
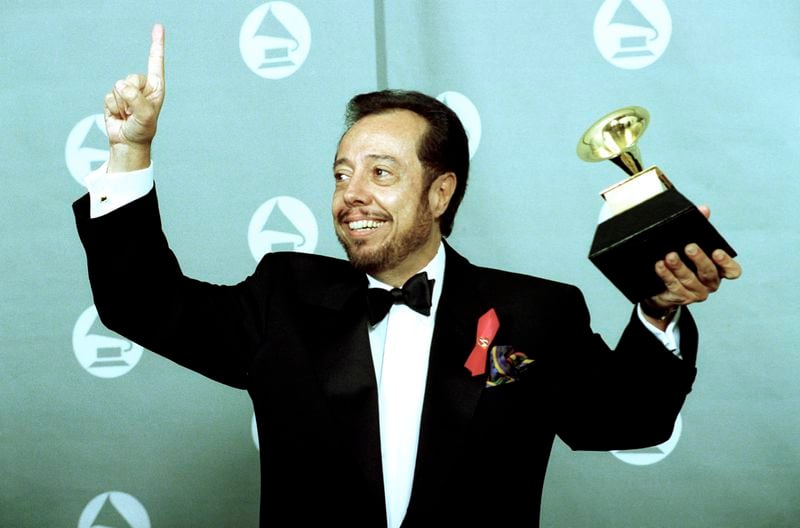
(365, 226)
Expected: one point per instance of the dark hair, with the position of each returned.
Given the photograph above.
(443, 148)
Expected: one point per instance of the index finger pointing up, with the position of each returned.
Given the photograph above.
(155, 63)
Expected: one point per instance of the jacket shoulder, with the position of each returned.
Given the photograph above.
(512, 287)
(500, 277)
(305, 262)
(314, 279)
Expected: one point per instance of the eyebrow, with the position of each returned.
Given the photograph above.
(373, 157)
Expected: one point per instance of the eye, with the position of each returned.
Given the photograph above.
(340, 176)
(382, 173)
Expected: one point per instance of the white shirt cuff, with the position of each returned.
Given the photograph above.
(669, 337)
(108, 191)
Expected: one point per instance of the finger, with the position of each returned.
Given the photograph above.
(729, 267)
(705, 210)
(706, 270)
(122, 106)
(110, 104)
(138, 81)
(155, 63)
(689, 286)
(133, 103)
(673, 289)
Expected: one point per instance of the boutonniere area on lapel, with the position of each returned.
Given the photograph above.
(487, 329)
(505, 363)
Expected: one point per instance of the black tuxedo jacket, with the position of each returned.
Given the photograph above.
(294, 335)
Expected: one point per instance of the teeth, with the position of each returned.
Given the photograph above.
(365, 224)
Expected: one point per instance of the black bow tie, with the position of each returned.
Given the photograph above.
(416, 293)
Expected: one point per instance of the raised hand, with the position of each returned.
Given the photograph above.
(132, 108)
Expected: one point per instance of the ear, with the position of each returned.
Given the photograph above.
(440, 193)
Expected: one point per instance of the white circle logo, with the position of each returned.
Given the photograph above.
(468, 114)
(651, 455)
(632, 34)
(87, 147)
(275, 39)
(100, 352)
(282, 224)
(114, 508)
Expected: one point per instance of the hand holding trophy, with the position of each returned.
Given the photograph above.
(645, 217)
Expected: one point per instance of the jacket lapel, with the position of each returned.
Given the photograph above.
(343, 364)
(451, 393)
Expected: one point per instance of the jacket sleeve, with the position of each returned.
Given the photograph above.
(624, 398)
(141, 293)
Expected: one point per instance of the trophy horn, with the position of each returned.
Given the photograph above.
(614, 136)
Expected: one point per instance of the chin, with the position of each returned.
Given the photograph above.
(368, 260)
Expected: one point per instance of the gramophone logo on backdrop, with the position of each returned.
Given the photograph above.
(632, 34)
(101, 352)
(282, 224)
(275, 39)
(651, 455)
(87, 147)
(114, 509)
(468, 114)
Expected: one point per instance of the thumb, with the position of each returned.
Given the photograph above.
(141, 114)
(131, 98)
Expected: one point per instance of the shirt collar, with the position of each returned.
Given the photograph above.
(435, 271)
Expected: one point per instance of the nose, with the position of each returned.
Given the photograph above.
(357, 190)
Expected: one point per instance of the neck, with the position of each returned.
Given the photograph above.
(411, 265)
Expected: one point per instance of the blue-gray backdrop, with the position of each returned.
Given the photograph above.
(96, 431)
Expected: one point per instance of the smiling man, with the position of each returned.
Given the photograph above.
(387, 204)
(404, 386)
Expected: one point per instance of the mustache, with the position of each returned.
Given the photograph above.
(360, 213)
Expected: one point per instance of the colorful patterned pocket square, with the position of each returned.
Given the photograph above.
(505, 365)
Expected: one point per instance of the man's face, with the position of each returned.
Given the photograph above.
(381, 208)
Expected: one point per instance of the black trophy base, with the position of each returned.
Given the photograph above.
(627, 246)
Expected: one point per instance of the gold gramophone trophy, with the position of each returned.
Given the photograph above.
(644, 216)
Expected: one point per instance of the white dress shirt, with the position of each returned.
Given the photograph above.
(401, 345)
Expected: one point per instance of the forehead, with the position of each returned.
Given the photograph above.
(395, 132)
